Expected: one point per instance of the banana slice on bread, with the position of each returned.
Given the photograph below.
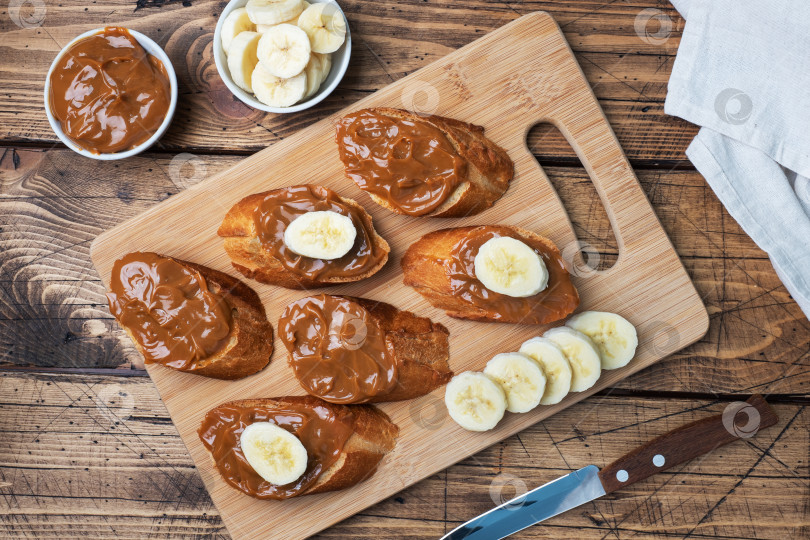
(321, 235)
(508, 266)
(274, 453)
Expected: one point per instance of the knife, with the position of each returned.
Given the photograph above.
(672, 448)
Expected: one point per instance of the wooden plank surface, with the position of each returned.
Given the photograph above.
(53, 315)
(628, 68)
(103, 458)
(536, 79)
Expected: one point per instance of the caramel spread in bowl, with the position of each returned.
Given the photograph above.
(281, 206)
(108, 94)
(169, 310)
(338, 352)
(322, 432)
(554, 302)
(408, 163)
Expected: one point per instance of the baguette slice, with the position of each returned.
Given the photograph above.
(488, 175)
(373, 437)
(250, 345)
(421, 349)
(418, 347)
(253, 261)
(425, 268)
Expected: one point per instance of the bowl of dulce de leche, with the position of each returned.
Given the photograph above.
(110, 93)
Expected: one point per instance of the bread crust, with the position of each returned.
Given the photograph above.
(241, 242)
(421, 350)
(489, 173)
(374, 436)
(423, 268)
(250, 345)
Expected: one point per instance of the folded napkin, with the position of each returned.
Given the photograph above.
(743, 73)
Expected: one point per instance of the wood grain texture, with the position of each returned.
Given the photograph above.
(131, 477)
(99, 455)
(627, 66)
(537, 79)
(54, 313)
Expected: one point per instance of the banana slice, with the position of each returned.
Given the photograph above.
(507, 266)
(614, 336)
(277, 92)
(325, 25)
(242, 59)
(326, 65)
(581, 353)
(234, 24)
(262, 28)
(555, 366)
(321, 235)
(274, 453)
(313, 71)
(521, 379)
(284, 51)
(270, 12)
(475, 401)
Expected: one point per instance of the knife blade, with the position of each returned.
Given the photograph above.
(579, 487)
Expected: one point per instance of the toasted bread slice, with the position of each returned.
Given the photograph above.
(249, 257)
(488, 175)
(425, 267)
(374, 435)
(250, 343)
(420, 346)
(414, 349)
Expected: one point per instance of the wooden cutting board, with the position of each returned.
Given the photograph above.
(507, 81)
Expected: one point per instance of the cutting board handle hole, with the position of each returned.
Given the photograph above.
(598, 249)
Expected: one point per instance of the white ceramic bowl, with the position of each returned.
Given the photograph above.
(340, 61)
(150, 47)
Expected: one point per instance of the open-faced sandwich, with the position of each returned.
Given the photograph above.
(491, 273)
(353, 350)
(422, 165)
(285, 447)
(302, 236)
(189, 317)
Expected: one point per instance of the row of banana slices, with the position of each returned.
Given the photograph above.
(281, 50)
(566, 359)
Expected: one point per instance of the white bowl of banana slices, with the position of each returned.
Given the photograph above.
(282, 56)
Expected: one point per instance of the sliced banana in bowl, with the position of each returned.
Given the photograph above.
(581, 353)
(614, 336)
(298, 40)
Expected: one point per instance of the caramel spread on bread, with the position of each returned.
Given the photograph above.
(254, 233)
(353, 350)
(337, 350)
(322, 430)
(441, 267)
(168, 309)
(407, 162)
(108, 94)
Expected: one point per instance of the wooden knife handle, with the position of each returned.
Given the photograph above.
(738, 420)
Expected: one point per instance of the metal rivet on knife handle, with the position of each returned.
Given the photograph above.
(682, 444)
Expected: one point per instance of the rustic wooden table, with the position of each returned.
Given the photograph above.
(87, 447)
